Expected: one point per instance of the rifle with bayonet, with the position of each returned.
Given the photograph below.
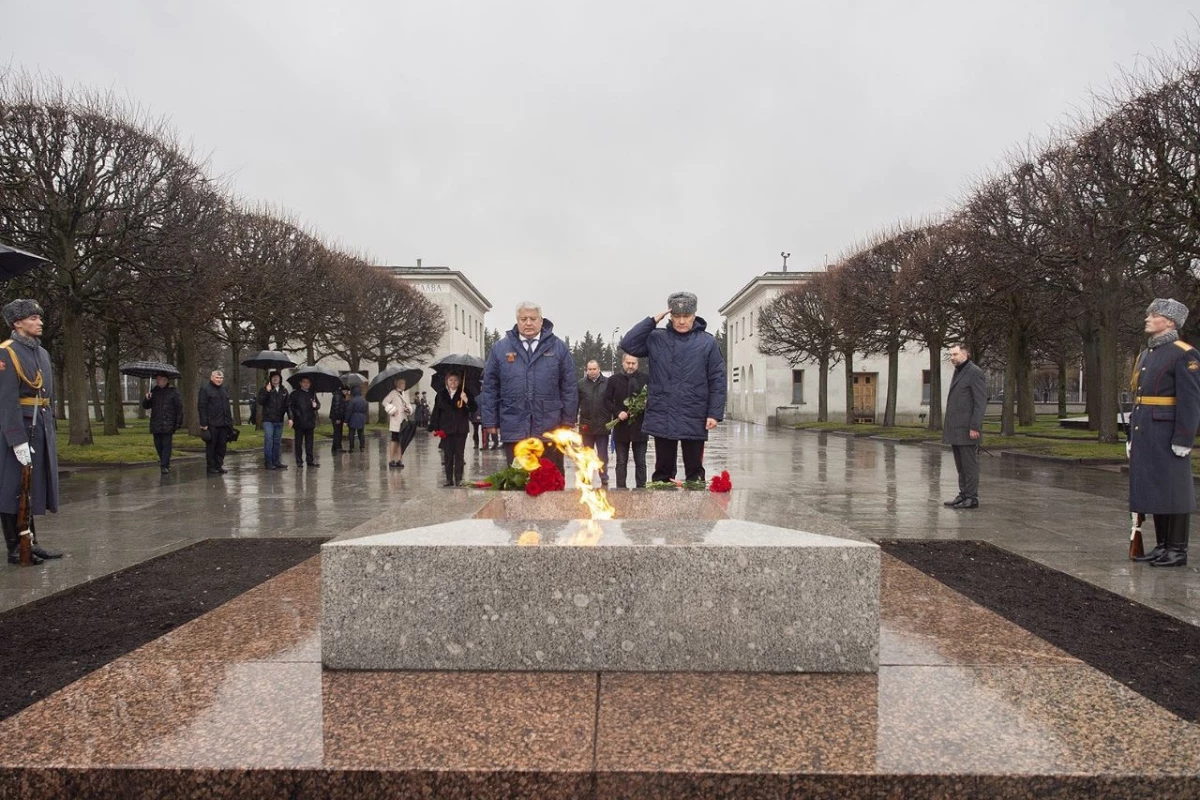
(25, 518)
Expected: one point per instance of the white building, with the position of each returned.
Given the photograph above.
(767, 389)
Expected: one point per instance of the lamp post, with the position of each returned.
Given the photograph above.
(613, 345)
(786, 256)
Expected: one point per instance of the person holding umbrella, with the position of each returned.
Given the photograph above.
(400, 424)
(452, 409)
(273, 400)
(303, 406)
(166, 417)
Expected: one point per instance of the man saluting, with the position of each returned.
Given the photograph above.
(27, 425)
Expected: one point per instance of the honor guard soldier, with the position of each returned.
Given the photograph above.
(1162, 428)
(27, 425)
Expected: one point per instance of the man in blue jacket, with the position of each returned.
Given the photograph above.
(686, 398)
(529, 383)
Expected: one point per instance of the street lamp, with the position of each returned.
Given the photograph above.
(786, 256)
(613, 345)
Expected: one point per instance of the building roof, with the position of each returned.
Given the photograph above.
(766, 279)
(417, 274)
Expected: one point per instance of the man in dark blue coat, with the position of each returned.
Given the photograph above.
(962, 426)
(1162, 429)
(686, 398)
(529, 383)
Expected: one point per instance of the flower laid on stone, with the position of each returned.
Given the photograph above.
(676, 484)
(546, 478)
(634, 405)
(721, 483)
(528, 471)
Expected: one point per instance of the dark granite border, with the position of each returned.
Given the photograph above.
(1153, 653)
(54, 641)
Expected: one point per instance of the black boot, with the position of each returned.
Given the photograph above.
(1162, 523)
(948, 503)
(1177, 543)
(12, 539)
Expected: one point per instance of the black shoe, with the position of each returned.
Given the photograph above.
(1172, 558)
(954, 502)
(164, 470)
(313, 464)
(447, 484)
(222, 470)
(213, 471)
(268, 466)
(1158, 552)
(280, 466)
(15, 558)
(299, 464)
(966, 502)
(45, 555)
(351, 449)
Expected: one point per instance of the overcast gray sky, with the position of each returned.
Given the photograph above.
(598, 156)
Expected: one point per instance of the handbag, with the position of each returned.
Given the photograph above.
(205, 435)
(234, 433)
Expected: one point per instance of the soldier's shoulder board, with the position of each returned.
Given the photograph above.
(1180, 343)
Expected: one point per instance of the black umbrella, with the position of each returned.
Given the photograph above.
(269, 359)
(323, 379)
(467, 367)
(14, 262)
(384, 382)
(353, 379)
(149, 369)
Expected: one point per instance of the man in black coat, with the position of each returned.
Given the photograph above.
(962, 426)
(217, 419)
(594, 415)
(1162, 430)
(166, 417)
(337, 416)
(628, 432)
(303, 406)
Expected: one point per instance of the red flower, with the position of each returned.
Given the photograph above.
(440, 434)
(546, 478)
(483, 484)
(721, 483)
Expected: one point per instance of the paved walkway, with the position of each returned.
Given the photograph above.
(1069, 518)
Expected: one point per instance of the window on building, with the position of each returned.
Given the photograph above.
(925, 385)
(737, 372)
(456, 316)
(751, 332)
(797, 387)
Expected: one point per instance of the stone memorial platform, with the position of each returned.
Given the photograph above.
(636, 595)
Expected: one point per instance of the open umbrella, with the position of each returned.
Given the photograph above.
(323, 378)
(148, 369)
(269, 359)
(385, 381)
(353, 379)
(468, 366)
(14, 262)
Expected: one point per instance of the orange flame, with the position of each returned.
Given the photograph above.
(587, 472)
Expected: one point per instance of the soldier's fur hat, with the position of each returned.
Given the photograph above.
(682, 303)
(20, 309)
(1170, 308)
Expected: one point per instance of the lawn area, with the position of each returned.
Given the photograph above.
(914, 433)
(134, 444)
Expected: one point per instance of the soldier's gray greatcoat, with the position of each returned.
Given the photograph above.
(1160, 482)
(16, 424)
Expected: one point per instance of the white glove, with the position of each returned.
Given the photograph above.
(1177, 449)
(24, 454)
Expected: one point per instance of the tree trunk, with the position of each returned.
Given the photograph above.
(1007, 417)
(848, 358)
(60, 385)
(235, 382)
(823, 389)
(889, 409)
(1106, 403)
(935, 345)
(1026, 410)
(189, 388)
(112, 379)
(1091, 378)
(94, 388)
(383, 417)
(76, 378)
(1062, 386)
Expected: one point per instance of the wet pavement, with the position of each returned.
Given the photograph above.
(1071, 518)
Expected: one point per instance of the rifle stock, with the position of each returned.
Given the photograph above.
(25, 518)
(1136, 549)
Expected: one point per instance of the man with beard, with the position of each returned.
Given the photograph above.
(628, 432)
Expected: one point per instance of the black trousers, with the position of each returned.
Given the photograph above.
(475, 426)
(599, 443)
(454, 448)
(338, 426)
(304, 439)
(553, 453)
(162, 446)
(665, 465)
(362, 439)
(639, 463)
(8, 522)
(966, 461)
(1172, 530)
(215, 447)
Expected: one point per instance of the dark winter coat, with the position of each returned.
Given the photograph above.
(337, 408)
(619, 388)
(448, 416)
(274, 404)
(213, 406)
(357, 410)
(687, 378)
(302, 408)
(527, 395)
(966, 400)
(16, 424)
(166, 409)
(593, 413)
(1160, 482)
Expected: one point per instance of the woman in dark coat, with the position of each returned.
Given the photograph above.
(356, 418)
(166, 417)
(452, 410)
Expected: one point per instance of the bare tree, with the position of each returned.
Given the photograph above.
(798, 325)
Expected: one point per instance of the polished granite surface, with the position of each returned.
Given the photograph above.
(960, 693)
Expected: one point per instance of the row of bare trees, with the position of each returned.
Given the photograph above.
(151, 257)
(1050, 260)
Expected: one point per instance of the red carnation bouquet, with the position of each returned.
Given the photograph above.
(439, 434)
(721, 483)
(546, 478)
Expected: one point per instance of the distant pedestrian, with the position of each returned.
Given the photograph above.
(166, 417)
(627, 434)
(303, 406)
(420, 411)
(273, 402)
(337, 416)
(401, 426)
(962, 425)
(356, 418)
(452, 409)
(216, 420)
(594, 415)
